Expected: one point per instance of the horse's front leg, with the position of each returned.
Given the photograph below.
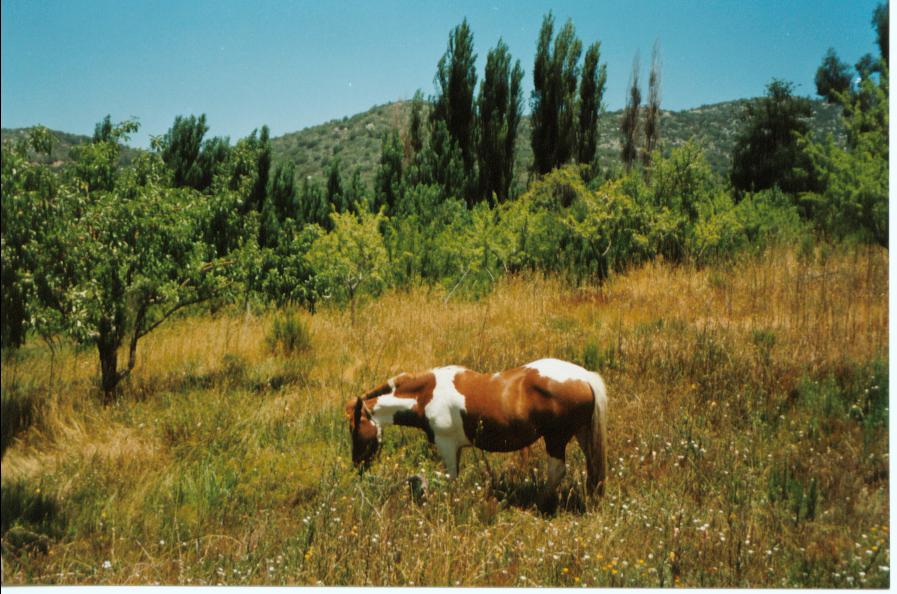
(448, 450)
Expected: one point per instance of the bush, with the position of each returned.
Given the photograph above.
(289, 334)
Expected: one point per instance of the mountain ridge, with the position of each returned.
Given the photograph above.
(355, 139)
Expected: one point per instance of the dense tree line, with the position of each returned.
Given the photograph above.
(103, 253)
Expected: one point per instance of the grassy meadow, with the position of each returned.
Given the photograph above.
(748, 415)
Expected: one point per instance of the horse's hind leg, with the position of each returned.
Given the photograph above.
(557, 466)
(583, 436)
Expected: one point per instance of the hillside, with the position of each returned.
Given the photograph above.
(355, 140)
(63, 144)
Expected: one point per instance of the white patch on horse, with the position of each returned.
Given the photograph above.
(561, 371)
(387, 406)
(443, 412)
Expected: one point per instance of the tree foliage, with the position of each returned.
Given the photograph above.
(630, 119)
(591, 97)
(500, 108)
(767, 152)
(553, 101)
(456, 80)
(833, 77)
(652, 108)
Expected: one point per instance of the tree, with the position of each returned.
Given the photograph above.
(283, 190)
(192, 161)
(833, 77)
(499, 104)
(335, 194)
(115, 263)
(652, 109)
(553, 101)
(854, 199)
(388, 183)
(415, 127)
(456, 79)
(28, 191)
(313, 206)
(629, 121)
(262, 171)
(351, 259)
(880, 22)
(591, 96)
(767, 152)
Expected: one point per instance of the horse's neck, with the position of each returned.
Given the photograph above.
(393, 410)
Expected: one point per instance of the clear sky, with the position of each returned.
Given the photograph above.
(292, 64)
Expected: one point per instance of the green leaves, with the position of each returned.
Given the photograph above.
(351, 259)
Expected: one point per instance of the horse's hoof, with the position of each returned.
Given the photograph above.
(419, 487)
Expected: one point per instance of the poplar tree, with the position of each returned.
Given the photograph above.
(591, 95)
(500, 107)
(833, 77)
(652, 109)
(629, 121)
(553, 101)
(456, 79)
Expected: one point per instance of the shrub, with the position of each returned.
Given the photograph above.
(289, 334)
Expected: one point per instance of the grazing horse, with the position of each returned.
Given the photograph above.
(498, 412)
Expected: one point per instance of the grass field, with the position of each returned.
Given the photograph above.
(748, 415)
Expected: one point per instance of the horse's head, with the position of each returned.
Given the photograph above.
(365, 434)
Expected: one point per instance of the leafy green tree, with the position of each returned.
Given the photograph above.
(500, 108)
(553, 101)
(262, 171)
(102, 132)
(833, 77)
(350, 260)
(356, 192)
(630, 118)
(880, 23)
(456, 80)
(652, 109)
(866, 65)
(591, 97)
(388, 183)
(440, 164)
(95, 164)
(854, 200)
(313, 205)
(767, 152)
(282, 193)
(415, 127)
(192, 159)
(116, 263)
(28, 191)
(336, 196)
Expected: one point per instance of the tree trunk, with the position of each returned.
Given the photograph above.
(108, 367)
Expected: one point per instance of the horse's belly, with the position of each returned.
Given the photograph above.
(494, 436)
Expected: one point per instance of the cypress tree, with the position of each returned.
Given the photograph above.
(455, 80)
(553, 101)
(629, 121)
(499, 105)
(591, 95)
(652, 109)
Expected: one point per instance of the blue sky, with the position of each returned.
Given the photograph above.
(292, 64)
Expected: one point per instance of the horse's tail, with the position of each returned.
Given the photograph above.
(597, 443)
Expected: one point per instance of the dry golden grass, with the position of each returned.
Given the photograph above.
(745, 446)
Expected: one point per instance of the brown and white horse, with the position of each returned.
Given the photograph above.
(500, 412)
